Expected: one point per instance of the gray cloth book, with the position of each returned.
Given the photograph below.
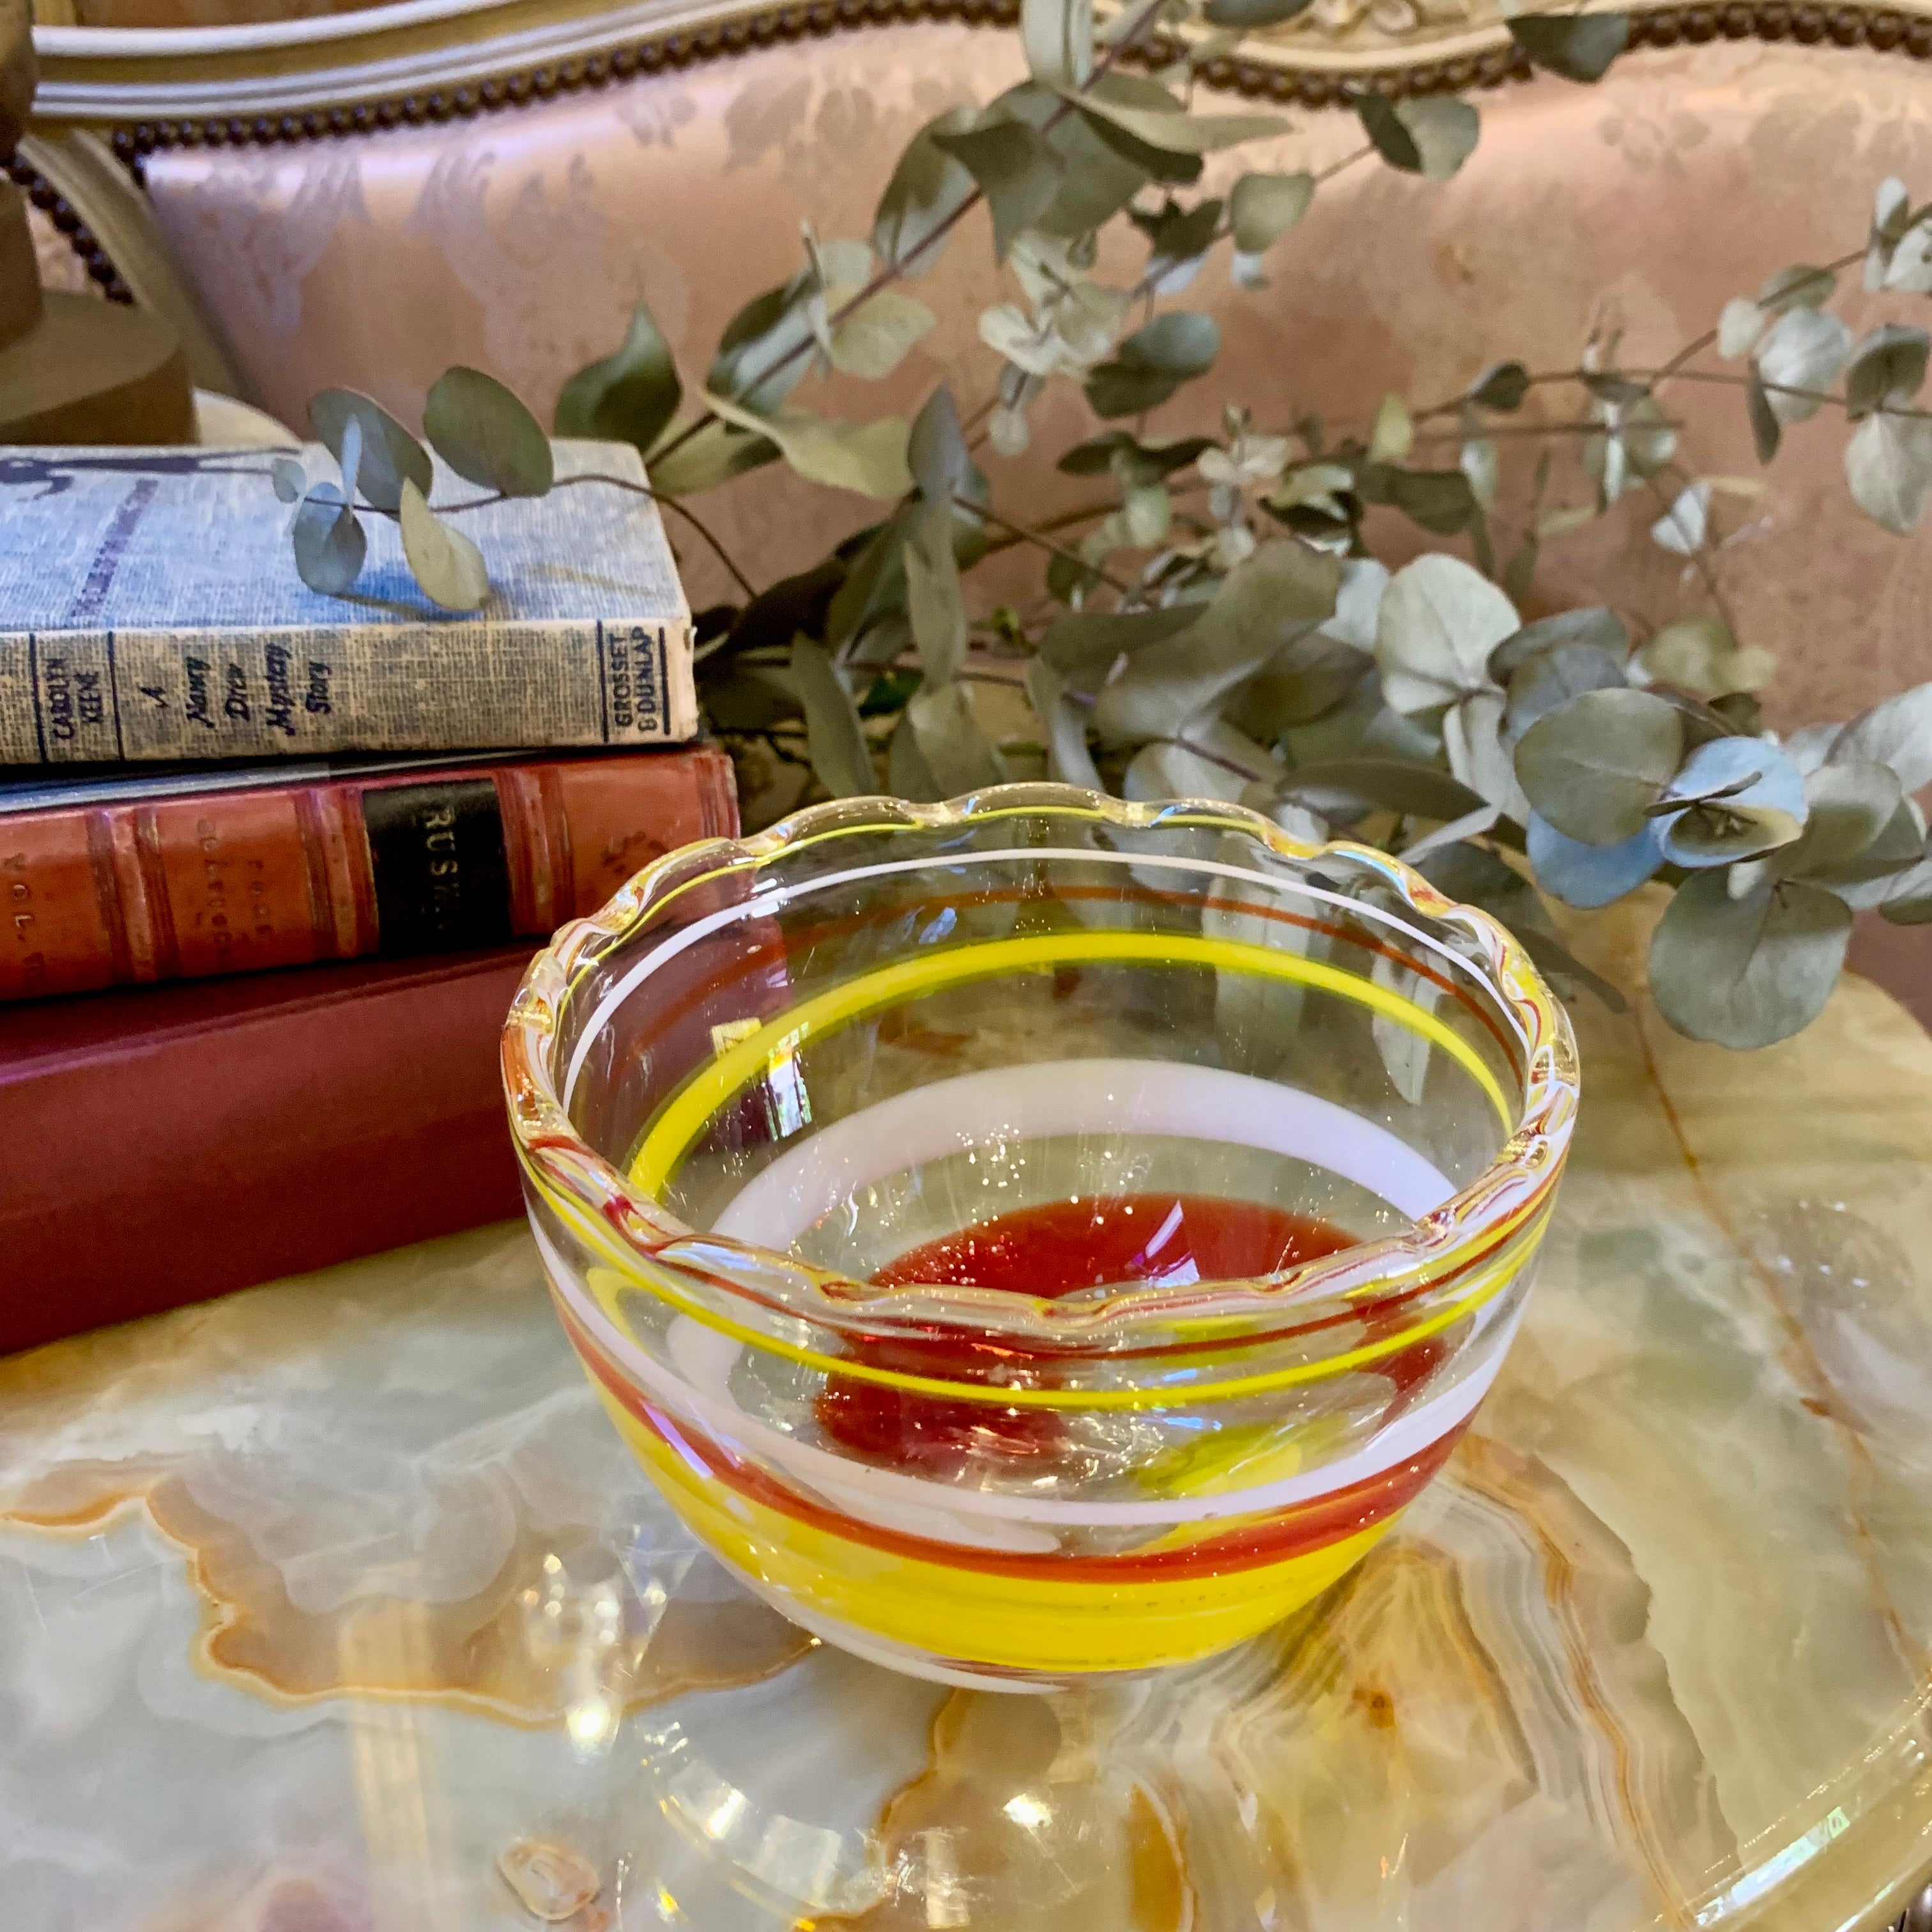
(150, 609)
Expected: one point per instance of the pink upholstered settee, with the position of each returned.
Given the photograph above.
(363, 204)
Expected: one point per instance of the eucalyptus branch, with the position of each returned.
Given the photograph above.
(1334, 168)
(1700, 556)
(678, 506)
(674, 504)
(1086, 513)
(1491, 431)
(1725, 379)
(1020, 533)
(894, 269)
(1241, 771)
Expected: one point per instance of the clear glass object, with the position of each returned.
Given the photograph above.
(771, 1068)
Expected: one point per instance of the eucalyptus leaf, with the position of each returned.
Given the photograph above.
(1475, 825)
(290, 479)
(1909, 270)
(1169, 129)
(933, 601)
(874, 591)
(630, 396)
(1549, 678)
(1281, 592)
(1683, 528)
(1580, 47)
(1405, 1054)
(1246, 15)
(482, 430)
(329, 540)
(927, 189)
(448, 565)
(1896, 733)
(1438, 622)
(1502, 386)
(1393, 435)
(746, 697)
(1388, 133)
(1740, 325)
(1740, 797)
(1084, 648)
(1181, 237)
(936, 451)
(1804, 351)
(762, 356)
(1440, 500)
(1595, 767)
(1562, 966)
(1807, 747)
(1358, 603)
(1891, 211)
(835, 739)
(1152, 363)
(873, 339)
(390, 456)
(1099, 176)
(1745, 972)
(869, 458)
(1480, 464)
(1601, 629)
(1443, 129)
(1299, 684)
(1472, 738)
(1700, 654)
(777, 614)
(1803, 285)
(1119, 449)
(1068, 760)
(956, 749)
(1589, 876)
(1478, 876)
(907, 772)
(1766, 429)
(1887, 369)
(1852, 805)
(1058, 37)
(1263, 208)
(1889, 465)
(1910, 908)
(1386, 785)
(1162, 771)
(1016, 168)
(716, 454)
(352, 459)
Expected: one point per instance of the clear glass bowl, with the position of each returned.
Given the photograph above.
(771, 1068)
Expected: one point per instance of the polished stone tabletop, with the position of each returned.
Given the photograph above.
(337, 1607)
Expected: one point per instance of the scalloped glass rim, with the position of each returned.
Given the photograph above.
(559, 1161)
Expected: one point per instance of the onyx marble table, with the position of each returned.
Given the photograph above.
(336, 1606)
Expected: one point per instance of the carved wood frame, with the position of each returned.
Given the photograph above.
(428, 61)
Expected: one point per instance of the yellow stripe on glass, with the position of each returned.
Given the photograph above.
(683, 1120)
(974, 1616)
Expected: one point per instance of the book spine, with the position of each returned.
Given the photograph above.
(106, 696)
(285, 875)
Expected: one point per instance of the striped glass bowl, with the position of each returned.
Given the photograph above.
(767, 1100)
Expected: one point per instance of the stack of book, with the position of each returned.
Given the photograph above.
(272, 863)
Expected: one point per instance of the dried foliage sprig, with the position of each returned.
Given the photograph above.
(1213, 622)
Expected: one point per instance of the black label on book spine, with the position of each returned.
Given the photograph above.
(442, 882)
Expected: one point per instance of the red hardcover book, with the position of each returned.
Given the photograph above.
(285, 873)
(171, 1143)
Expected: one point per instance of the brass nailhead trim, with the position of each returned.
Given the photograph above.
(80, 238)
